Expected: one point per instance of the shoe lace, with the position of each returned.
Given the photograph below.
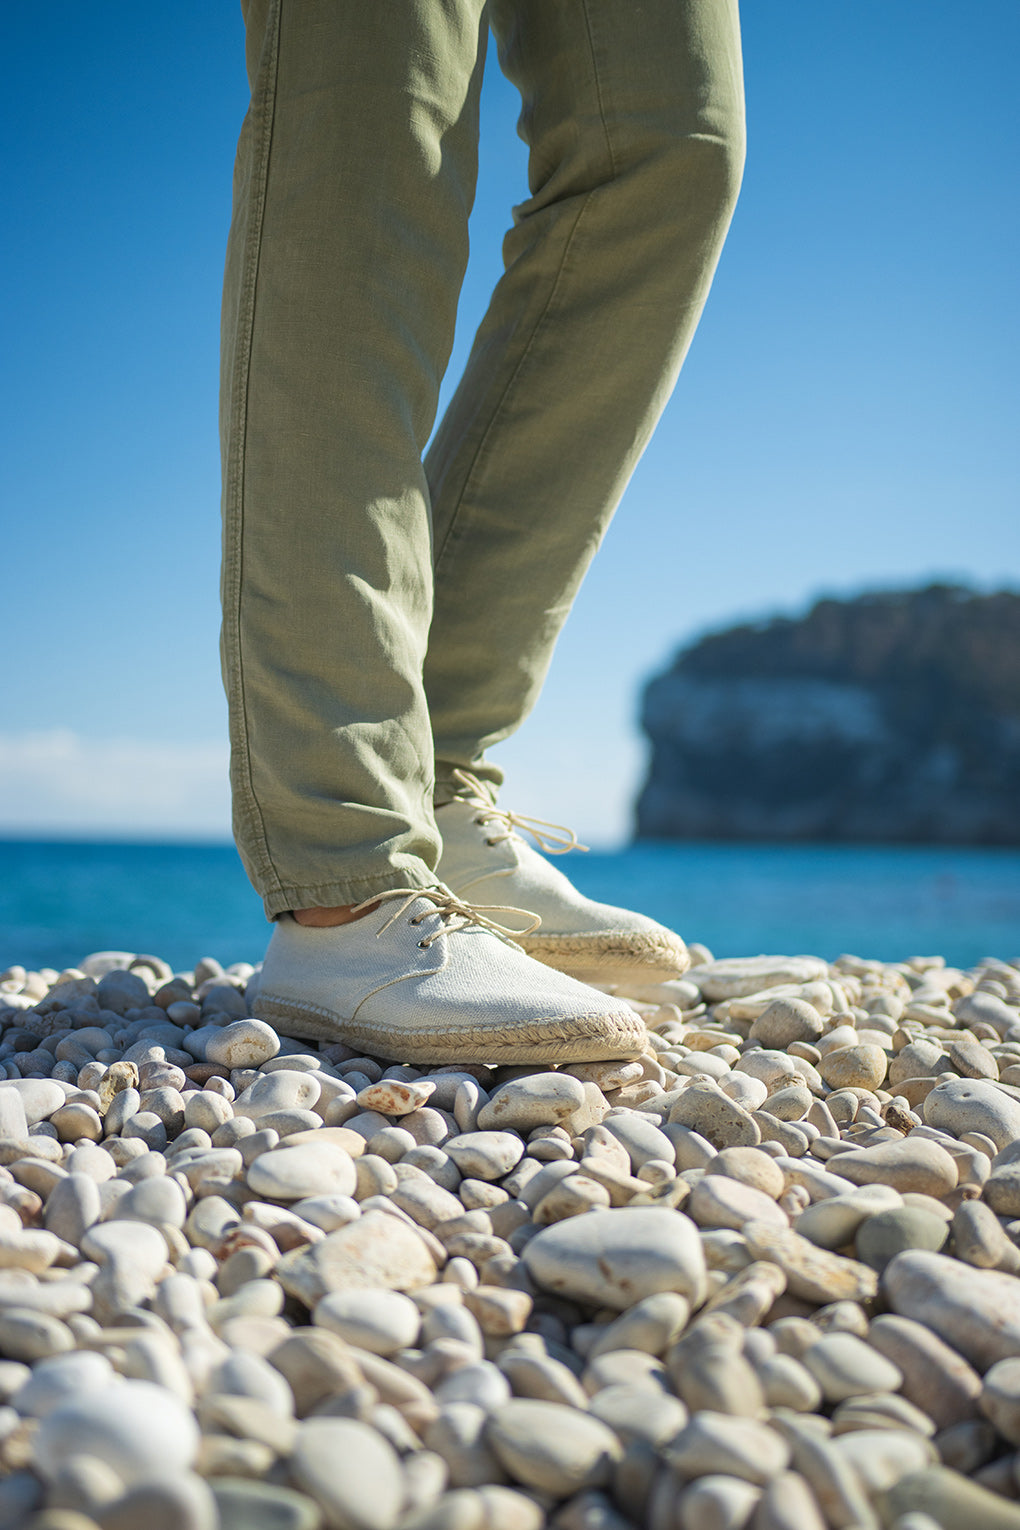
(452, 912)
(553, 838)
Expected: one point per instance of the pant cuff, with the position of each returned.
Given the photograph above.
(348, 889)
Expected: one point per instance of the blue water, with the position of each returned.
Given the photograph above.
(60, 901)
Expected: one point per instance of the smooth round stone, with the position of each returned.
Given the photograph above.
(30, 1336)
(72, 1207)
(243, 1374)
(845, 1366)
(953, 1502)
(485, 1155)
(245, 1504)
(77, 1121)
(148, 1128)
(351, 1471)
(856, 1067)
(614, 1258)
(292, 1173)
(971, 1059)
(327, 1211)
(552, 1448)
(284, 1089)
(40, 1097)
(243, 1044)
(751, 1167)
(717, 1201)
(380, 1321)
(959, 1105)
(638, 1413)
(786, 1020)
(169, 1503)
(880, 1457)
(881, 1237)
(538, 1099)
(650, 1325)
(156, 1200)
(121, 991)
(377, 1250)
(737, 976)
(935, 1377)
(135, 1244)
(641, 1137)
(733, 1447)
(139, 1429)
(976, 1311)
(748, 1092)
(716, 1502)
(61, 1378)
(1001, 1190)
(915, 1163)
(980, 1238)
(1000, 1398)
(832, 1223)
(707, 1110)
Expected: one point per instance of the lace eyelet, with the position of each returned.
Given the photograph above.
(492, 841)
(423, 945)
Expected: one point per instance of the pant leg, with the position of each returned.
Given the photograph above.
(354, 179)
(633, 114)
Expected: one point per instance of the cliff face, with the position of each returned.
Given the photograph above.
(890, 717)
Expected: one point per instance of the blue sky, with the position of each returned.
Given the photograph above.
(846, 418)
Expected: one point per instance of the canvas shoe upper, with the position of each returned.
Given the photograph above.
(424, 978)
(485, 859)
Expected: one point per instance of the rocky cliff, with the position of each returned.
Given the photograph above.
(890, 717)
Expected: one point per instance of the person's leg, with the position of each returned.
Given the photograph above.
(354, 179)
(633, 115)
(634, 119)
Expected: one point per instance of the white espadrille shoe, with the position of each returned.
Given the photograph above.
(485, 858)
(424, 978)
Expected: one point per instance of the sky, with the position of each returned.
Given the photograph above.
(846, 419)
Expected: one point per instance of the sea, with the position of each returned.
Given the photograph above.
(60, 901)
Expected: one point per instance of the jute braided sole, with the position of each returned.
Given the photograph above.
(614, 956)
(585, 1038)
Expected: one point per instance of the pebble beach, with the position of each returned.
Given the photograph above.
(764, 1277)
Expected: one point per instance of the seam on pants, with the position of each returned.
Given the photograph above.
(445, 553)
(261, 149)
(598, 87)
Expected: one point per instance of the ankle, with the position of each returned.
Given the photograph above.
(329, 918)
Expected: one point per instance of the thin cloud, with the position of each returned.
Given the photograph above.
(59, 780)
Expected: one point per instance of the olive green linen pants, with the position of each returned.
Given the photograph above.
(386, 620)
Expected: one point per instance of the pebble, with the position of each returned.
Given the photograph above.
(911, 1164)
(883, 1236)
(485, 1155)
(375, 1250)
(844, 1366)
(539, 1099)
(138, 1429)
(292, 1173)
(381, 1321)
(734, 1447)
(959, 1105)
(616, 1257)
(351, 1472)
(619, 1293)
(243, 1044)
(552, 1448)
(976, 1311)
